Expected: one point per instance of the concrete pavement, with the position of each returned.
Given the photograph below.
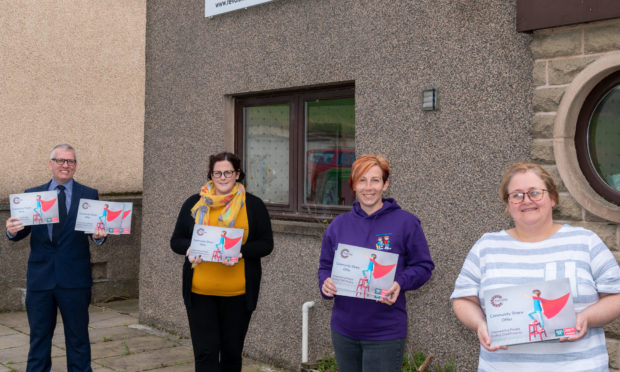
(118, 343)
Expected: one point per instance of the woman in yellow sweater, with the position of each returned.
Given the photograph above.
(220, 297)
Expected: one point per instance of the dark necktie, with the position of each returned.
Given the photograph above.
(62, 212)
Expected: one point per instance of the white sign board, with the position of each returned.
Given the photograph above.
(528, 313)
(95, 214)
(215, 7)
(216, 244)
(35, 208)
(362, 272)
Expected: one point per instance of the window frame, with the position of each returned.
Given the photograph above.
(582, 135)
(295, 208)
(565, 125)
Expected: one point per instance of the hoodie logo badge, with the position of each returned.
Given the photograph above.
(383, 242)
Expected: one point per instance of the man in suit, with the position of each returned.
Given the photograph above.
(59, 269)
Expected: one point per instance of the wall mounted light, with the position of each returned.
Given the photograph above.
(429, 100)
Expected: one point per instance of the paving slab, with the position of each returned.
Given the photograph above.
(18, 355)
(14, 340)
(186, 367)
(129, 346)
(98, 368)
(103, 334)
(149, 360)
(128, 307)
(96, 314)
(14, 320)
(118, 343)
(6, 331)
(59, 364)
(17, 367)
(98, 335)
(117, 320)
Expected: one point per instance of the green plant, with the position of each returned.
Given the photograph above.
(124, 343)
(448, 367)
(418, 362)
(327, 364)
(413, 361)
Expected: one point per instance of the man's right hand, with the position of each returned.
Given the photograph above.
(13, 225)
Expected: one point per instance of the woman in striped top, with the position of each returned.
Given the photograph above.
(538, 249)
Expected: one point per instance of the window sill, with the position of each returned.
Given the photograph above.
(316, 229)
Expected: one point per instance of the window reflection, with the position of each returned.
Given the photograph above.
(604, 138)
(330, 151)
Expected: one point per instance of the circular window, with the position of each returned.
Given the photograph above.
(585, 137)
(597, 138)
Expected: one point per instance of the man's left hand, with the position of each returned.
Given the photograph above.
(100, 233)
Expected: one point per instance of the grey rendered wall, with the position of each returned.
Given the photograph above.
(446, 164)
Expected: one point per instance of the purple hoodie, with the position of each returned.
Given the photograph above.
(367, 319)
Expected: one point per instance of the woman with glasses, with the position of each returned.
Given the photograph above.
(221, 296)
(539, 249)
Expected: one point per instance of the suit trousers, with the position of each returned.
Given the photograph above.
(41, 307)
(218, 326)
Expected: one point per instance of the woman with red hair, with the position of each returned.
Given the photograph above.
(370, 335)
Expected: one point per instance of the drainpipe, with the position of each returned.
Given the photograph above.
(304, 330)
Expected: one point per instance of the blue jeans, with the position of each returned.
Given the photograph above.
(368, 356)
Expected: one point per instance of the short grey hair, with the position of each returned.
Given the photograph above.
(63, 146)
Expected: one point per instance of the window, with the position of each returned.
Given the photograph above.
(577, 107)
(298, 148)
(597, 138)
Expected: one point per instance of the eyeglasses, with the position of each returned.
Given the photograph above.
(226, 174)
(519, 197)
(70, 162)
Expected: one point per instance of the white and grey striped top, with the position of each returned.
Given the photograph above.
(498, 260)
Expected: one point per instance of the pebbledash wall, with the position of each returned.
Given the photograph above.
(568, 62)
(446, 163)
(73, 72)
(500, 99)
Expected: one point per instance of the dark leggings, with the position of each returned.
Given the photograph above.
(218, 326)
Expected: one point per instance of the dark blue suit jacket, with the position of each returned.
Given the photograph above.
(65, 264)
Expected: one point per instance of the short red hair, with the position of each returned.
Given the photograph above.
(364, 163)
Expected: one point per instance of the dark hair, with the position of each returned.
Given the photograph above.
(226, 156)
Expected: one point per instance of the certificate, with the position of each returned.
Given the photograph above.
(101, 214)
(533, 312)
(362, 272)
(215, 243)
(35, 208)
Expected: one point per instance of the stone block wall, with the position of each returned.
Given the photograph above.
(560, 54)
